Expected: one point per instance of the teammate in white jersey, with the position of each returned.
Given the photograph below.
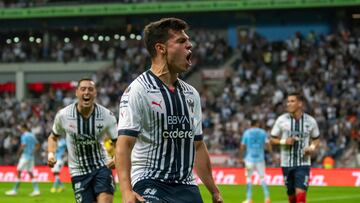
(160, 135)
(29, 145)
(297, 134)
(84, 124)
(254, 142)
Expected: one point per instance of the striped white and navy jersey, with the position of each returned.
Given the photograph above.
(304, 129)
(84, 137)
(166, 123)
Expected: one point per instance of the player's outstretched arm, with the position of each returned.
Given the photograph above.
(52, 144)
(124, 146)
(203, 169)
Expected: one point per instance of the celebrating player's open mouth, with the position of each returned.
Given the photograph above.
(188, 58)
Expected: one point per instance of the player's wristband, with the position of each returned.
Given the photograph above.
(51, 155)
(283, 141)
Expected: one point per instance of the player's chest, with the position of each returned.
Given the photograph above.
(170, 103)
(85, 128)
(296, 128)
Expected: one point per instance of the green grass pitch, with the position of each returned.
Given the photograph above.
(231, 194)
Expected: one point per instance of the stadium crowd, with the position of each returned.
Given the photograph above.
(325, 68)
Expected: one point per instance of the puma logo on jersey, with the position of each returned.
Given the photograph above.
(157, 104)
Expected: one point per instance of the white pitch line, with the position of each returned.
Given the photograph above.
(323, 199)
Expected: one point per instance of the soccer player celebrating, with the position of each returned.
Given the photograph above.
(60, 157)
(160, 135)
(297, 133)
(84, 125)
(254, 142)
(29, 145)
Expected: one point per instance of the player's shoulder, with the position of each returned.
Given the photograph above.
(69, 110)
(309, 118)
(140, 84)
(187, 88)
(101, 110)
(284, 117)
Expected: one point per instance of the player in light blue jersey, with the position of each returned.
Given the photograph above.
(60, 155)
(29, 145)
(254, 142)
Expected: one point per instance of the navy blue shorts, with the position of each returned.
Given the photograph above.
(87, 187)
(296, 177)
(159, 192)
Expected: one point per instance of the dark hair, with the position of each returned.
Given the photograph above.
(298, 96)
(158, 32)
(254, 121)
(83, 79)
(23, 125)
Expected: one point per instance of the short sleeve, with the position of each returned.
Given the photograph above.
(198, 132)
(112, 128)
(130, 111)
(315, 132)
(243, 139)
(276, 130)
(57, 128)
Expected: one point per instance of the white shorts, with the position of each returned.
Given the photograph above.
(26, 165)
(58, 166)
(252, 166)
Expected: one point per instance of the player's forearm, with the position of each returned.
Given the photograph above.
(52, 143)
(203, 168)
(274, 141)
(123, 164)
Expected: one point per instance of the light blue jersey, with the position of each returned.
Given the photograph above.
(29, 140)
(60, 150)
(254, 139)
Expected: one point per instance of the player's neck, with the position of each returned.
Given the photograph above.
(297, 114)
(161, 70)
(85, 111)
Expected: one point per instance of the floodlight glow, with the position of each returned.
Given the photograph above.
(122, 38)
(31, 39)
(38, 40)
(116, 36)
(16, 39)
(138, 37)
(92, 39)
(85, 37)
(8, 41)
(66, 40)
(132, 36)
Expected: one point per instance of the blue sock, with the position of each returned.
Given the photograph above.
(265, 189)
(35, 185)
(17, 185)
(57, 181)
(248, 190)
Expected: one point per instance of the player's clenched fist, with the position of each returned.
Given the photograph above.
(51, 159)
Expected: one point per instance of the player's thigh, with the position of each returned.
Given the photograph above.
(103, 181)
(260, 168)
(83, 190)
(104, 198)
(302, 175)
(289, 179)
(153, 191)
(186, 194)
(249, 168)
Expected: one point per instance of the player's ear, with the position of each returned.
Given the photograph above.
(160, 48)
